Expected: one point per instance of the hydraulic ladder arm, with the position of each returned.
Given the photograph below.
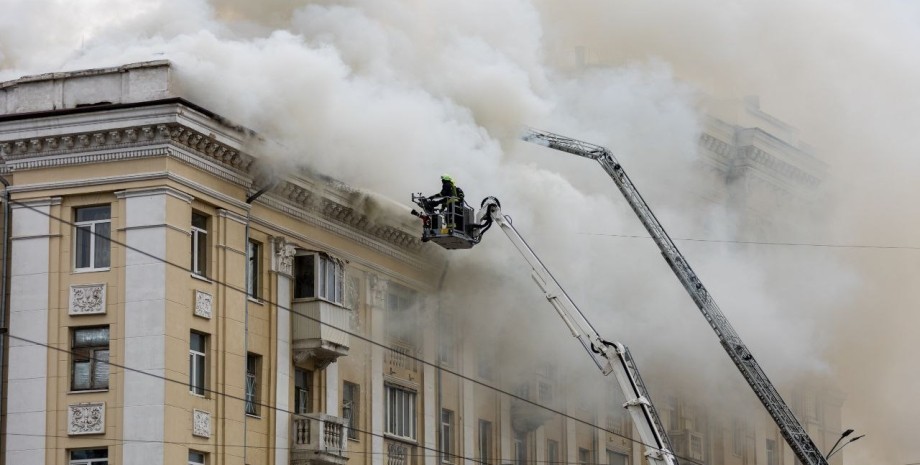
(608, 356)
(793, 432)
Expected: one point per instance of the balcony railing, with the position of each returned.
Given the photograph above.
(399, 453)
(400, 360)
(320, 331)
(320, 439)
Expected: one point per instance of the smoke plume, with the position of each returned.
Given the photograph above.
(387, 95)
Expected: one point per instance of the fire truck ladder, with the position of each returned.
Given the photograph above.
(795, 435)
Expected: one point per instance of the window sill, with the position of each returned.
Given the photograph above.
(255, 300)
(202, 278)
(402, 439)
(200, 396)
(257, 417)
(87, 391)
(91, 270)
(318, 299)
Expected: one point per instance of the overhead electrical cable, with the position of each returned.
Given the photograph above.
(316, 320)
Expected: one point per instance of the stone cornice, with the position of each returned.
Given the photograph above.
(326, 201)
(45, 151)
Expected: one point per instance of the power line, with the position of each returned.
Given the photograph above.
(785, 244)
(316, 320)
(118, 442)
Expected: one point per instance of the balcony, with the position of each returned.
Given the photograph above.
(320, 332)
(687, 444)
(526, 416)
(400, 361)
(318, 439)
(399, 453)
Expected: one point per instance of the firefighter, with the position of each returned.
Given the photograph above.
(449, 194)
(450, 200)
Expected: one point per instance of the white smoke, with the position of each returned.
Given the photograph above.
(386, 95)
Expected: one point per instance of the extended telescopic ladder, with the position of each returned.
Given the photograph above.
(795, 435)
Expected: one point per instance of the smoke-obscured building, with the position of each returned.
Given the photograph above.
(170, 303)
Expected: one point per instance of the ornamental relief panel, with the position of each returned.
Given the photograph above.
(284, 257)
(201, 423)
(86, 418)
(87, 299)
(203, 304)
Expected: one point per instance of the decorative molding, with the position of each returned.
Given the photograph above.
(12, 150)
(327, 200)
(86, 418)
(203, 304)
(201, 423)
(154, 191)
(283, 258)
(87, 299)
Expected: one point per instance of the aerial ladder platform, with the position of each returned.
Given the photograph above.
(455, 227)
(793, 432)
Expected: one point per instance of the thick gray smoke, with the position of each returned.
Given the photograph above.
(386, 95)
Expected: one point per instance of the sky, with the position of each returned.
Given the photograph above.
(388, 94)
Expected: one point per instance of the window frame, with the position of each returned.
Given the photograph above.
(584, 456)
(89, 461)
(447, 436)
(623, 458)
(400, 412)
(351, 400)
(552, 452)
(91, 357)
(519, 448)
(253, 391)
(199, 251)
(94, 239)
(204, 457)
(306, 395)
(195, 365)
(485, 441)
(324, 267)
(254, 271)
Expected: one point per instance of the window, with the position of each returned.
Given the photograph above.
(197, 458)
(89, 457)
(584, 456)
(402, 314)
(252, 279)
(90, 348)
(400, 412)
(545, 390)
(318, 276)
(447, 339)
(91, 238)
(485, 442)
(253, 378)
(447, 431)
(552, 452)
(303, 391)
(199, 244)
(771, 452)
(616, 458)
(520, 451)
(738, 437)
(350, 412)
(673, 414)
(197, 360)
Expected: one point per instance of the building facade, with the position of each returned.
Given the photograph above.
(168, 303)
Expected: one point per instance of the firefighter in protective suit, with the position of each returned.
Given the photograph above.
(450, 200)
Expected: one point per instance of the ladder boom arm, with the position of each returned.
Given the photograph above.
(610, 357)
(792, 431)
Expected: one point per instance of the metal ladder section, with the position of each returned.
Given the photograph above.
(793, 432)
(608, 356)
